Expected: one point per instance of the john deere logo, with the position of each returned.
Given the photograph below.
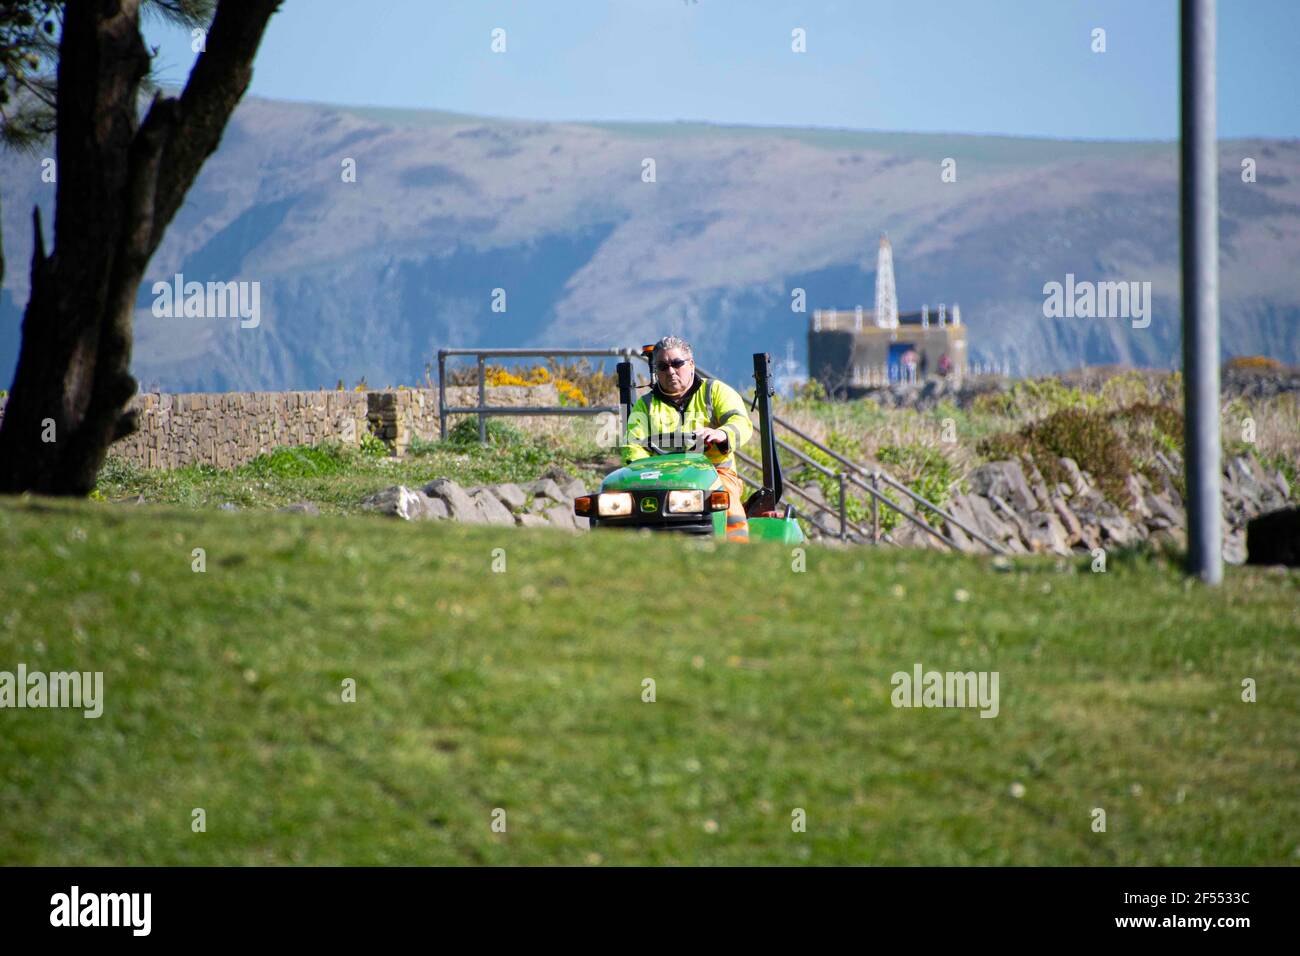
(649, 504)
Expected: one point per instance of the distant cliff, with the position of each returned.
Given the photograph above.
(369, 277)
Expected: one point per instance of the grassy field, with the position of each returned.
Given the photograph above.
(522, 690)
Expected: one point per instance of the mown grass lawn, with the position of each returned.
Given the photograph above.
(522, 690)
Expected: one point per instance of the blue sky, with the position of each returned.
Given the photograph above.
(1019, 67)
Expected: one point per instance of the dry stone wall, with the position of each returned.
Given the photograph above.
(226, 429)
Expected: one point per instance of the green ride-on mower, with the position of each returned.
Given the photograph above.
(677, 488)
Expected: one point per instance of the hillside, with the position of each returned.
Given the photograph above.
(368, 278)
(522, 690)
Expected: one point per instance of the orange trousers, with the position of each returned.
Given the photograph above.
(737, 523)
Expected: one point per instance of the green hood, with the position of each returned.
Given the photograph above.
(689, 471)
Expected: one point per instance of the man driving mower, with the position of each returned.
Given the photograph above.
(681, 401)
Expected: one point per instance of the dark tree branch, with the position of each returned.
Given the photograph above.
(115, 386)
(120, 184)
(38, 241)
(220, 76)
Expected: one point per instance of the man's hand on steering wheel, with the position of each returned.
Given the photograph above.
(711, 436)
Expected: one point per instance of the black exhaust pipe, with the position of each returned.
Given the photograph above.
(625, 396)
(765, 499)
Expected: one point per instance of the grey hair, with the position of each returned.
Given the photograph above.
(670, 342)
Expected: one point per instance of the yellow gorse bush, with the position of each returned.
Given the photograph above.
(570, 391)
(499, 376)
(538, 375)
(1254, 362)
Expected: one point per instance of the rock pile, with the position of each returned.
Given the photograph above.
(1018, 509)
(545, 503)
(1258, 383)
(1025, 514)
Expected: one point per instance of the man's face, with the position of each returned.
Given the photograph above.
(674, 370)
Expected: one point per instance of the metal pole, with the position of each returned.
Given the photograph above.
(1200, 255)
(875, 508)
(843, 509)
(442, 394)
(482, 400)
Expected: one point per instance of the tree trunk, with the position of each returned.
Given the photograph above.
(120, 182)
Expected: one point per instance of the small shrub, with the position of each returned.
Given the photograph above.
(854, 508)
(496, 377)
(1283, 463)
(1085, 436)
(419, 447)
(302, 461)
(372, 446)
(570, 394)
(924, 470)
(1109, 445)
(1147, 428)
(1034, 398)
(843, 444)
(119, 471)
(1005, 446)
(1130, 388)
(575, 378)
(810, 391)
(465, 433)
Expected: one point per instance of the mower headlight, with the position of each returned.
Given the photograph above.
(615, 503)
(685, 502)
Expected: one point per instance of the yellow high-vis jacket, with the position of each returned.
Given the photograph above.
(708, 403)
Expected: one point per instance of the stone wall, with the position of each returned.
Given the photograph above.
(226, 429)
(403, 414)
(231, 428)
(1024, 514)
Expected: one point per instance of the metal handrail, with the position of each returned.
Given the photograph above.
(819, 507)
(894, 483)
(853, 466)
(806, 459)
(889, 480)
(923, 525)
(483, 409)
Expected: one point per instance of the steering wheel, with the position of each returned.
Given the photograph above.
(689, 441)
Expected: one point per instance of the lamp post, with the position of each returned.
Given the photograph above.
(1200, 271)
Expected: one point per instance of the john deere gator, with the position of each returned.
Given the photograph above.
(677, 489)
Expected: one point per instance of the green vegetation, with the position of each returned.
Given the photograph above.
(523, 690)
(337, 477)
(1289, 467)
(926, 471)
(1110, 445)
(499, 434)
(1112, 425)
(855, 509)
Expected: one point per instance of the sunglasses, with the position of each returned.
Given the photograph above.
(675, 363)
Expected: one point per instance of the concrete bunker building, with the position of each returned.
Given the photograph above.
(859, 349)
